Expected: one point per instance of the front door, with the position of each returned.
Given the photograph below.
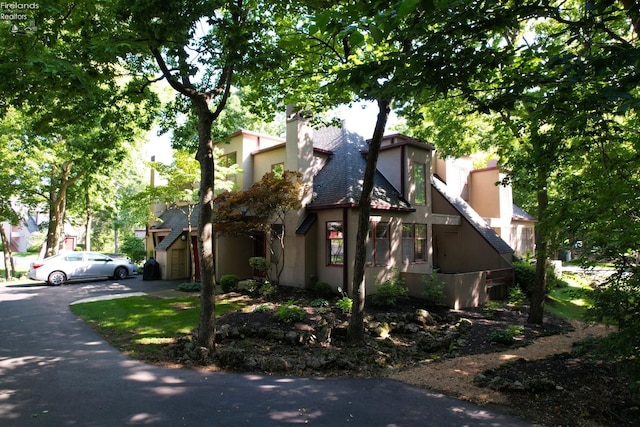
(259, 250)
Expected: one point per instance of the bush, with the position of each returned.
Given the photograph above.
(258, 263)
(189, 287)
(268, 289)
(319, 302)
(323, 290)
(133, 247)
(516, 297)
(229, 282)
(390, 292)
(525, 276)
(506, 336)
(618, 301)
(433, 289)
(289, 312)
(345, 304)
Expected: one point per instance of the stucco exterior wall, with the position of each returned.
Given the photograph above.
(484, 194)
(460, 249)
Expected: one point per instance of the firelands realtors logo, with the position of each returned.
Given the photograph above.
(19, 14)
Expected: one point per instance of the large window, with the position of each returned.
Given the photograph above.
(379, 244)
(414, 243)
(420, 181)
(335, 243)
(228, 160)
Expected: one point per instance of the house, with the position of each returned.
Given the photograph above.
(478, 187)
(417, 227)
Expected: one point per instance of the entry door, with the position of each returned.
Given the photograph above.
(259, 250)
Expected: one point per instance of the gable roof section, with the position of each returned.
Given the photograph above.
(176, 221)
(473, 218)
(520, 214)
(339, 182)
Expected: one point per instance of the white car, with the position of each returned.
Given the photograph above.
(63, 267)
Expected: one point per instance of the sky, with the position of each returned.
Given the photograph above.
(361, 118)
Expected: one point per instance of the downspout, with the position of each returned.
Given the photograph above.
(345, 234)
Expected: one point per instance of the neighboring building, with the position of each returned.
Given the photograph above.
(494, 202)
(417, 227)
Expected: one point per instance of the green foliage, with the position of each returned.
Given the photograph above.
(491, 308)
(133, 247)
(345, 304)
(253, 286)
(229, 282)
(622, 348)
(433, 289)
(263, 308)
(258, 263)
(319, 302)
(268, 289)
(617, 301)
(390, 292)
(289, 312)
(323, 290)
(506, 336)
(517, 298)
(189, 287)
(525, 275)
(145, 325)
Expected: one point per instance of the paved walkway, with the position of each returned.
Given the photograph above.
(55, 371)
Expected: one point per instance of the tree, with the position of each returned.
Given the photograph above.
(199, 49)
(256, 209)
(405, 52)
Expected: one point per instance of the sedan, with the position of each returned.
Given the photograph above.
(63, 267)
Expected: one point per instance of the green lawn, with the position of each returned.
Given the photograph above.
(570, 301)
(142, 326)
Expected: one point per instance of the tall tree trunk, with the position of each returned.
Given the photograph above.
(58, 205)
(355, 333)
(88, 220)
(8, 265)
(206, 328)
(539, 291)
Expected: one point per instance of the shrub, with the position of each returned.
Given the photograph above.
(506, 336)
(229, 282)
(525, 276)
(258, 263)
(319, 302)
(268, 289)
(618, 301)
(189, 287)
(491, 308)
(133, 247)
(433, 289)
(516, 297)
(390, 292)
(345, 304)
(323, 290)
(289, 312)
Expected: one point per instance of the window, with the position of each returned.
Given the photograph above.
(420, 181)
(228, 160)
(378, 244)
(414, 243)
(335, 243)
(278, 169)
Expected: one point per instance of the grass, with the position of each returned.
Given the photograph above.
(570, 301)
(142, 326)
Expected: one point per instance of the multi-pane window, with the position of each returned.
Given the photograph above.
(420, 181)
(228, 160)
(379, 243)
(335, 243)
(414, 243)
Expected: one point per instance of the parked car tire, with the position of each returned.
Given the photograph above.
(121, 273)
(56, 278)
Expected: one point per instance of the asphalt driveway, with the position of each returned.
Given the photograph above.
(55, 371)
